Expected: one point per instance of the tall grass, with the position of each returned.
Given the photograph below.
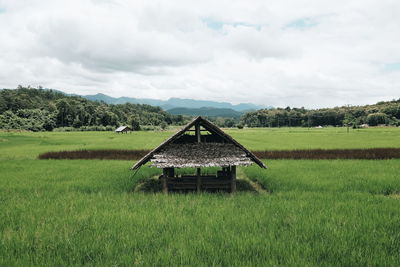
(368, 153)
(84, 212)
(334, 176)
(96, 154)
(106, 229)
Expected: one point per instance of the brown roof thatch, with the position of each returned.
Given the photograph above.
(217, 149)
(200, 155)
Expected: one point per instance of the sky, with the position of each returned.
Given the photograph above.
(311, 53)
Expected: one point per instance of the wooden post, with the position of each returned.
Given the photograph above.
(198, 184)
(233, 179)
(226, 171)
(197, 129)
(165, 181)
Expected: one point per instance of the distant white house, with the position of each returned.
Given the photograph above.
(123, 129)
(319, 127)
(364, 125)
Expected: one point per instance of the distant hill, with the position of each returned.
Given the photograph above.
(175, 103)
(206, 111)
(33, 109)
(122, 100)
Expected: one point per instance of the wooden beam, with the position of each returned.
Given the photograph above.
(197, 129)
(233, 179)
(198, 184)
(165, 181)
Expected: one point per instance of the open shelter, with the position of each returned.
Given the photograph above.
(197, 145)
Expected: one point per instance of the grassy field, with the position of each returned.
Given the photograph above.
(75, 212)
(30, 145)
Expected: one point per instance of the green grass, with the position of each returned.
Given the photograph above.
(30, 145)
(84, 212)
(326, 138)
(329, 176)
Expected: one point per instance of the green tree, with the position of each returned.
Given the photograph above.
(229, 123)
(133, 122)
(164, 125)
(375, 119)
(63, 110)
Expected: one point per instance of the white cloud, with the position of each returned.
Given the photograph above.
(301, 53)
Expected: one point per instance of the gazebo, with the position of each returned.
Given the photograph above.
(198, 145)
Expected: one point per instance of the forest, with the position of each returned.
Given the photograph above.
(38, 109)
(382, 113)
(44, 110)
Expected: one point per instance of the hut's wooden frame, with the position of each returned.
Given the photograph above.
(225, 180)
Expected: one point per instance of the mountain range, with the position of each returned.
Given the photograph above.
(179, 106)
(173, 103)
(206, 112)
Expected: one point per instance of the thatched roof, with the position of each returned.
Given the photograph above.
(200, 155)
(223, 152)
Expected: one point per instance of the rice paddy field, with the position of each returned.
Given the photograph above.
(307, 213)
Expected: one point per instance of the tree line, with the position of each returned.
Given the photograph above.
(38, 109)
(382, 113)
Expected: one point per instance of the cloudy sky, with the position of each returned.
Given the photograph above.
(311, 53)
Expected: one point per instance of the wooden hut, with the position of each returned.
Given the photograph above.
(197, 145)
(123, 129)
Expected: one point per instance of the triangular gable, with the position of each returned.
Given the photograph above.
(209, 127)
